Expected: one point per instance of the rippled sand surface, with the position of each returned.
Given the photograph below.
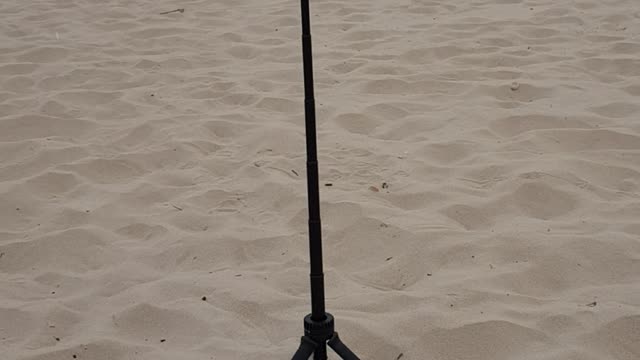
(484, 158)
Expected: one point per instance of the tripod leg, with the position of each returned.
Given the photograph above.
(306, 349)
(341, 349)
(320, 352)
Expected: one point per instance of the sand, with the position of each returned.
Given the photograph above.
(484, 158)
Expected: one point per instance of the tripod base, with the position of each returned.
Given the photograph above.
(319, 334)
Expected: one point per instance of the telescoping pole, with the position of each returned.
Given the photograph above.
(319, 325)
(315, 229)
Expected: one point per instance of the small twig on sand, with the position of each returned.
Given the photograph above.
(172, 11)
(176, 207)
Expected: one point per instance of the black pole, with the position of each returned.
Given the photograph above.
(319, 325)
(313, 191)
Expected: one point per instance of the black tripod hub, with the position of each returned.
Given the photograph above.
(319, 325)
(319, 334)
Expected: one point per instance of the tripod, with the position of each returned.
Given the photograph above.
(319, 325)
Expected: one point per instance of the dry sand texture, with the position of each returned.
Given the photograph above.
(153, 201)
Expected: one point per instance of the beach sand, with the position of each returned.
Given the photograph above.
(483, 159)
